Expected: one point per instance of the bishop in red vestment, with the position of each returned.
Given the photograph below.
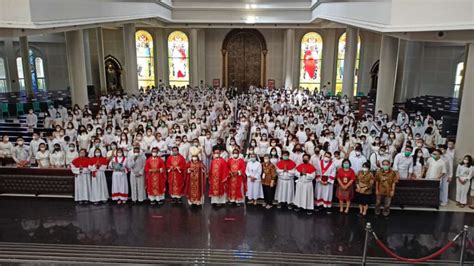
(155, 174)
(195, 178)
(176, 165)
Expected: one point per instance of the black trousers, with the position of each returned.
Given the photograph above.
(268, 194)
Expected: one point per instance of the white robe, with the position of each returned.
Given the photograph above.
(137, 177)
(324, 193)
(285, 186)
(254, 189)
(82, 183)
(304, 195)
(462, 190)
(99, 190)
(119, 179)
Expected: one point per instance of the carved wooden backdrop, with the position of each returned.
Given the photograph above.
(244, 60)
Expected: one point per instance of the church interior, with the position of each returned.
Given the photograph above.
(236, 132)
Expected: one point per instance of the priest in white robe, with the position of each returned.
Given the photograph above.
(304, 195)
(136, 164)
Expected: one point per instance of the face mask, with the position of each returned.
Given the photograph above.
(154, 154)
(365, 169)
(174, 153)
(357, 153)
(72, 149)
(253, 159)
(419, 145)
(346, 165)
(434, 157)
(20, 143)
(386, 167)
(216, 156)
(326, 159)
(407, 153)
(98, 154)
(274, 153)
(305, 161)
(266, 160)
(42, 148)
(235, 155)
(194, 159)
(97, 145)
(119, 154)
(285, 157)
(465, 161)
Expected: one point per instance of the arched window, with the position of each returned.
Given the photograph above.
(145, 63)
(3, 76)
(341, 52)
(458, 79)
(38, 78)
(178, 58)
(311, 55)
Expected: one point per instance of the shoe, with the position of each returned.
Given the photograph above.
(328, 211)
(309, 213)
(471, 206)
(153, 202)
(462, 205)
(279, 206)
(268, 207)
(289, 207)
(297, 209)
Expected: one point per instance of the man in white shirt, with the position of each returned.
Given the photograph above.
(403, 163)
(437, 171)
(357, 159)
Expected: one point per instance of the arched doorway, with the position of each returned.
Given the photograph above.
(113, 73)
(374, 77)
(244, 52)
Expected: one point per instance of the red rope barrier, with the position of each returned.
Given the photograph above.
(434, 255)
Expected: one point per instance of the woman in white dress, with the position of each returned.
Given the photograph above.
(71, 154)
(254, 178)
(119, 177)
(463, 180)
(57, 157)
(42, 156)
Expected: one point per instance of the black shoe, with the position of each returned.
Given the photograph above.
(180, 201)
(173, 201)
(328, 211)
(161, 202)
(309, 213)
(153, 202)
(297, 209)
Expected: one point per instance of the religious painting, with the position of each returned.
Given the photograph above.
(145, 62)
(271, 84)
(311, 57)
(178, 58)
(216, 83)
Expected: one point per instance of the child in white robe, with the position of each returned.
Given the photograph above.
(253, 171)
(119, 177)
(463, 180)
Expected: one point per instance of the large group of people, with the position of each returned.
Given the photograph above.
(289, 148)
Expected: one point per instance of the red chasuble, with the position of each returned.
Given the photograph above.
(98, 161)
(155, 174)
(305, 168)
(176, 165)
(218, 175)
(195, 177)
(237, 185)
(286, 165)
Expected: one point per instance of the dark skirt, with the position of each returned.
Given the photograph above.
(363, 199)
(345, 194)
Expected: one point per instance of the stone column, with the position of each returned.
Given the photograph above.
(464, 143)
(77, 67)
(352, 35)
(130, 52)
(161, 57)
(194, 64)
(289, 57)
(87, 56)
(387, 74)
(12, 69)
(25, 61)
(329, 59)
(100, 60)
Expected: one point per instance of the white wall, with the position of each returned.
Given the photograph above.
(369, 55)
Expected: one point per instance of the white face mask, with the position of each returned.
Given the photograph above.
(466, 161)
(365, 169)
(98, 154)
(326, 159)
(154, 154)
(236, 156)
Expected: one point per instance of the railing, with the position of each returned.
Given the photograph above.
(465, 243)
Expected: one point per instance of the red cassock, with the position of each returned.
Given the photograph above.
(309, 64)
(82, 162)
(98, 161)
(195, 178)
(155, 174)
(237, 185)
(218, 175)
(286, 165)
(176, 165)
(306, 168)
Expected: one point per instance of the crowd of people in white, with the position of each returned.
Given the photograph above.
(303, 142)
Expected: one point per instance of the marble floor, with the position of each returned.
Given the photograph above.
(410, 233)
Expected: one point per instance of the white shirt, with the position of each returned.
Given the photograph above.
(435, 169)
(254, 169)
(403, 164)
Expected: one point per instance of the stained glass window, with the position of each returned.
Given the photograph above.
(145, 62)
(341, 52)
(178, 58)
(38, 79)
(3, 76)
(458, 79)
(311, 61)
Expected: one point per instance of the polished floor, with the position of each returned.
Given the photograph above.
(249, 228)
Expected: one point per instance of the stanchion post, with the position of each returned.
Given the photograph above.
(368, 229)
(463, 244)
